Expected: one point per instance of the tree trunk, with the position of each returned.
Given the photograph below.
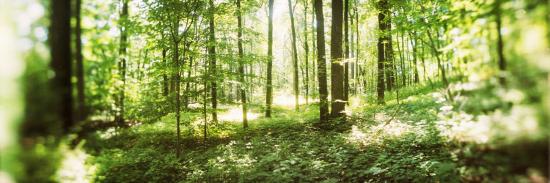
(401, 48)
(436, 54)
(164, 76)
(337, 71)
(60, 50)
(357, 68)
(294, 57)
(314, 48)
(122, 63)
(212, 56)
(414, 45)
(500, 44)
(321, 63)
(204, 100)
(390, 74)
(381, 54)
(81, 108)
(177, 83)
(187, 84)
(346, 51)
(269, 87)
(306, 50)
(242, 86)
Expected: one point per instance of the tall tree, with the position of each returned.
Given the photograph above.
(321, 62)
(294, 56)
(306, 50)
(436, 52)
(500, 42)
(356, 12)
(177, 74)
(212, 57)
(165, 81)
(119, 118)
(60, 50)
(388, 50)
(81, 105)
(382, 4)
(414, 45)
(337, 80)
(313, 45)
(242, 86)
(269, 86)
(346, 50)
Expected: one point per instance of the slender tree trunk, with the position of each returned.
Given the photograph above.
(177, 83)
(413, 40)
(436, 54)
(500, 44)
(390, 74)
(381, 54)
(242, 86)
(401, 48)
(164, 76)
(346, 51)
(269, 87)
(423, 60)
(204, 101)
(321, 63)
(337, 71)
(212, 56)
(187, 84)
(357, 44)
(314, 48)
(294, 57)
(122, 63)
(306, 50)
(141, 65)
(60, 44)
(79, 64)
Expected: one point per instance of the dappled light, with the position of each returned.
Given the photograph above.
(75, 166)
(107, 134)
(235, 114)
(378, 134)
(288, 100)
(435, 91)
(497, 127)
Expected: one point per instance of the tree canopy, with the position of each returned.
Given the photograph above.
(274, 91)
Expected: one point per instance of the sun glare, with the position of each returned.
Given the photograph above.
(236, 115)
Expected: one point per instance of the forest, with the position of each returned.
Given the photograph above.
(275, 91)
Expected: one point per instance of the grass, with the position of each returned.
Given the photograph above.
(396, 142)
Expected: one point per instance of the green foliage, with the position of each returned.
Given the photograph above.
(477, 129)
(281, 149)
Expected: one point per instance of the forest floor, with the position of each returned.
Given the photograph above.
(423, 138)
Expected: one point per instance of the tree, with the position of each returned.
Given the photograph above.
(294, 56)
(346, 51)
(242, 86)
(337, 80)
(60, 50)
(321, 63)
(81, 105)
(388, 50)
(306, 52)
(212, 57)
(414, 44)
(382, 4)
(357, 43)
(500, 42)
(119, 118)
(435, 51)
(269, 87)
